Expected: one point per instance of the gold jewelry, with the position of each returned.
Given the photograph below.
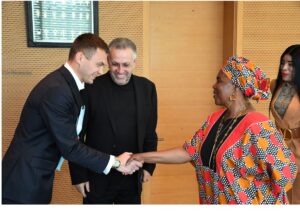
(232, 97)
(228, 129)
(217, 144)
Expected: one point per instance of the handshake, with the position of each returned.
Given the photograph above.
(128, 163)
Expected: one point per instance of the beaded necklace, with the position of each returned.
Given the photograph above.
(217, 143)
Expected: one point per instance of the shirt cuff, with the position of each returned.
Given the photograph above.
(109, 165)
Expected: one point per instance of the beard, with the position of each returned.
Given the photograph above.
(121, 81)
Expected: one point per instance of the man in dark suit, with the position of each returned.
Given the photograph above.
(48, 128)
(122, 115)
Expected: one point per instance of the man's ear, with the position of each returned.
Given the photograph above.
(78, 57)
(135, 62)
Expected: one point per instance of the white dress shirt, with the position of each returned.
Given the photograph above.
(79, 123)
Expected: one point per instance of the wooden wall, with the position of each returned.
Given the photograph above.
(263, 31)
(181, 46)
(186, 50)
(23, 67)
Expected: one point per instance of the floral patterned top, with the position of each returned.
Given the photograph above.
(253, 165)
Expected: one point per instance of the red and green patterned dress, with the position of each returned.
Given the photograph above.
(253, 164)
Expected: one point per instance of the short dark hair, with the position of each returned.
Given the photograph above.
(88, 44)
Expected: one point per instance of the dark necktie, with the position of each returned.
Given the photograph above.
(83, 94)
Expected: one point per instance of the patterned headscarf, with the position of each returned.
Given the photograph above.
(248, 77)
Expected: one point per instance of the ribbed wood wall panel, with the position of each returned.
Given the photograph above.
(123, 19)
(268, 29)
(186, 52)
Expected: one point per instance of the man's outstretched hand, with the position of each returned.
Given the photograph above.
(127, 166)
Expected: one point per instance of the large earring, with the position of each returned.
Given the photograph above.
(232, 97)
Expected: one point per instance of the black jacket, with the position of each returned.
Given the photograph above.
(100, 100)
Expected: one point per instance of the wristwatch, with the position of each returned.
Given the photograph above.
(116, 164)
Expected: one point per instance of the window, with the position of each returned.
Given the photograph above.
(57, 23)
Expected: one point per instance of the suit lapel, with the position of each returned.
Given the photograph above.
(140, 109)
(72, 84)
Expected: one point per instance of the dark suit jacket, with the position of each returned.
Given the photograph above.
(46, 131)
(99, 97)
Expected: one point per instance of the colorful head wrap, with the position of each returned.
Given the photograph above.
(248, 77)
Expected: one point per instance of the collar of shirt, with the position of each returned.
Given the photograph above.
(79, 84)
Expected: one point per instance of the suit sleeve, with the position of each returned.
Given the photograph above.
(79, 174)
(150, 142)
(58, 110)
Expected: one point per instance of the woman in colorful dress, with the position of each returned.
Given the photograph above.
(285, 108)
(238, 154)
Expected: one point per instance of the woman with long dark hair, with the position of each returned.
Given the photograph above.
(285, 107)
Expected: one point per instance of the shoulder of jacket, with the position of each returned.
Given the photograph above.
(143, 80)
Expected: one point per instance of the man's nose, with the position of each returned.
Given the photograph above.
(121, 69)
